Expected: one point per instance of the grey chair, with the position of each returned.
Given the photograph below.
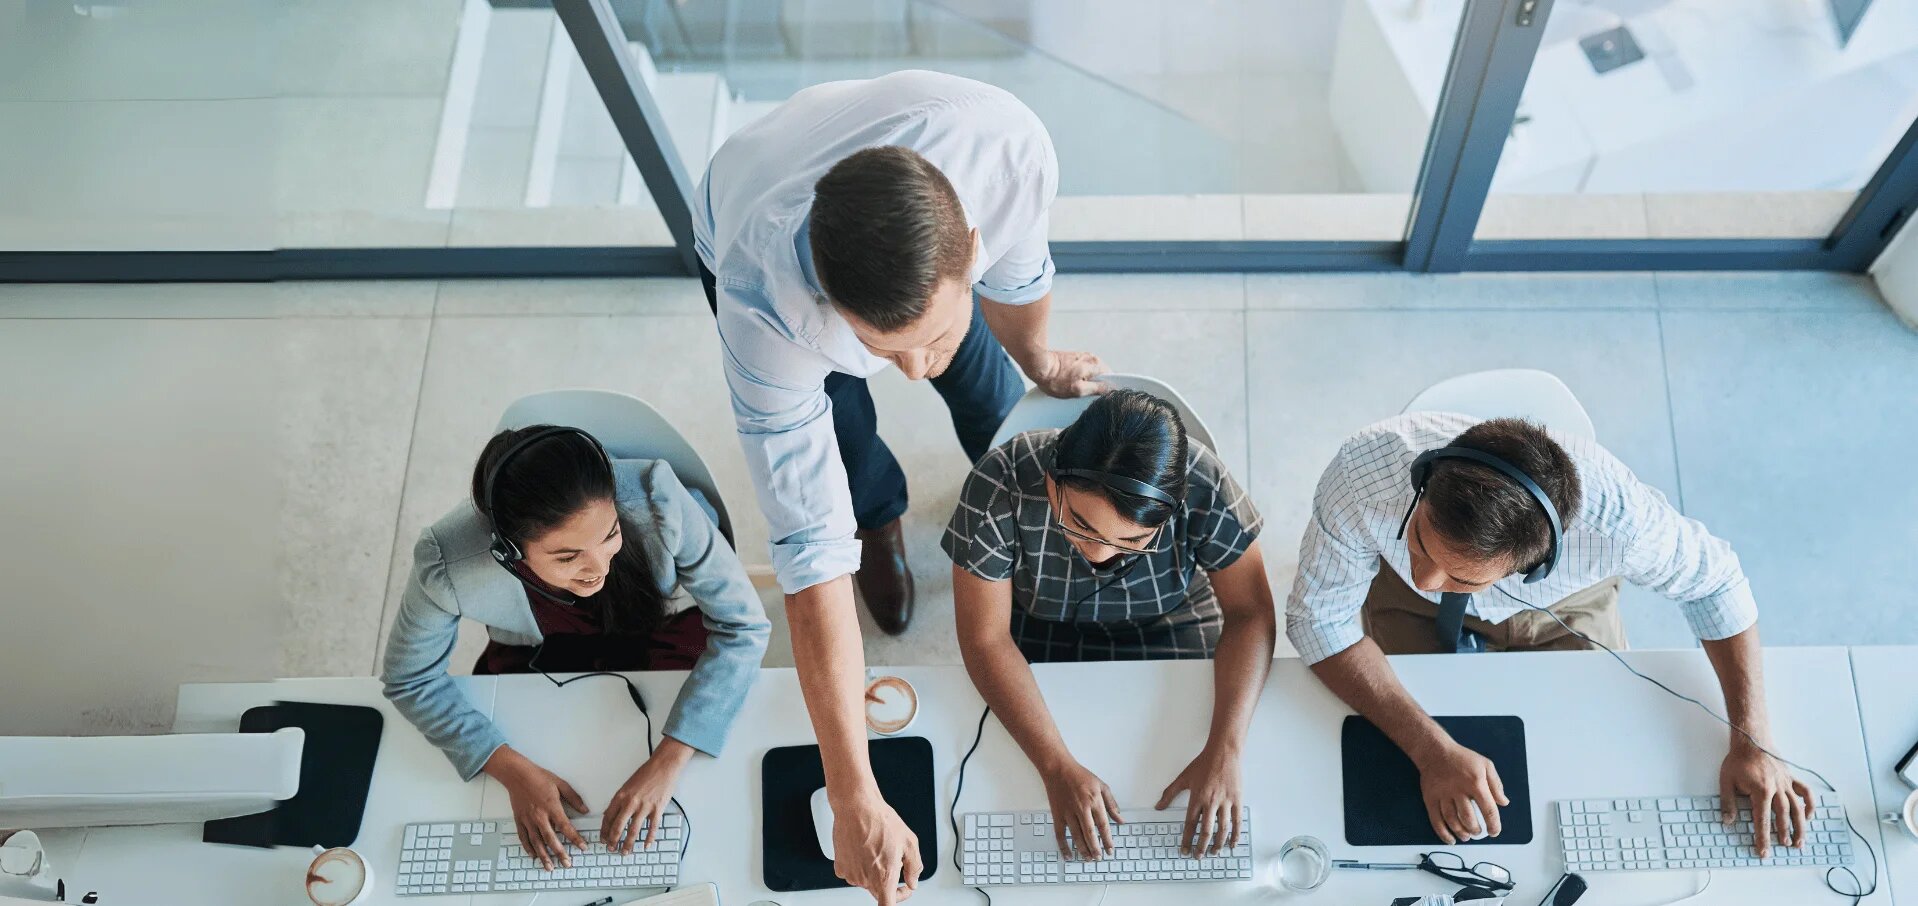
(629, 428)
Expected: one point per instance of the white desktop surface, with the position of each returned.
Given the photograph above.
(164, 865)
(1887, 677)
(1592, 730)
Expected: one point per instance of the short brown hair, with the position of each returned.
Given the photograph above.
(1487, 514)
(886, 229)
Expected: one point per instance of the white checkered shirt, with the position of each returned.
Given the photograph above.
(1624, 528)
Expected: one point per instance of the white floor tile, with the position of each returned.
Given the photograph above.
(644, 296)
(1796, 433)
(632, 226)
(368, 47)
(354, 154)
(1146, 217)
(1318, 376)
(141, 500)
(345, 422)
(179, 50)
(1425, 292)
(1770, 290)
(1148, 292)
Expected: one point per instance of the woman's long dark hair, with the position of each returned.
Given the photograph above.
(544, 485)
(1132, 434)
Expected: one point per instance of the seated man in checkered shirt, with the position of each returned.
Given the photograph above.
(1457, 555)
(1116, 538)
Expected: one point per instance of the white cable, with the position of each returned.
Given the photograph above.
(1695, 894)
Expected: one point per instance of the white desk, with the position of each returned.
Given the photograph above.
(1886, 676)
(1592, 730)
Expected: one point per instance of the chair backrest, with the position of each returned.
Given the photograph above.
(1522, 392)
(629, 428)
(1037, 410)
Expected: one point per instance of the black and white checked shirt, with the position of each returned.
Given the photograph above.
(1162, 606)
(1624, 528)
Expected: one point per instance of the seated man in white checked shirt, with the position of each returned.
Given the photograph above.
(1455, 579)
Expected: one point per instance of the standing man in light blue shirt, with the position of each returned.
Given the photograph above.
(844, 232)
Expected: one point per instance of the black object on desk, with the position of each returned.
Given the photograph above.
(789, 775)
(1383, 804)
(336, 768)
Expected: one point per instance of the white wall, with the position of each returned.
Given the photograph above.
(1897, 273)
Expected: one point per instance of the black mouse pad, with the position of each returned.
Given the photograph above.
(336, 768)
(788, 776)
(1383, 806)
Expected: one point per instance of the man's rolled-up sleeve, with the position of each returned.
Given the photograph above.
(1676, 556)
(785, 429)
(1024, 273)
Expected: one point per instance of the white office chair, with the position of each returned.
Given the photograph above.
(1036, 410)
(1520, 392)
(629, 428)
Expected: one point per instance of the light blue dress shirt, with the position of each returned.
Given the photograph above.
(781, 339)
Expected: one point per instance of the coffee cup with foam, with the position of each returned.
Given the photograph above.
(891, 705)
(338, 877)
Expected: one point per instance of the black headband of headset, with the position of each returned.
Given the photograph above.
(1422, 472)
(492, 474)
(1121, 484)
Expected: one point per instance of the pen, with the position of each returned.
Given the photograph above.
(602, 901)
(1373, 866)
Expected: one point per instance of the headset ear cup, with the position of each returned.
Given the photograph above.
(506, 551)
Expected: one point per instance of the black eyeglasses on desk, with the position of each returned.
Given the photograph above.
(1450, 866)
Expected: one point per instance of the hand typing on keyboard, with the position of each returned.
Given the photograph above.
(643, 798)
(540, 800)
(1212, 812)
(1779, 802)
(1083, 810)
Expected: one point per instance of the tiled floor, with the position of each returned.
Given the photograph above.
(330, 422)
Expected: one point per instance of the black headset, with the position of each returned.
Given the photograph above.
(504, 550)
(1422, 473)
(1136, 488)
(1120, 483)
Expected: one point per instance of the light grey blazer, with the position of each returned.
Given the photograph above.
(455, 576)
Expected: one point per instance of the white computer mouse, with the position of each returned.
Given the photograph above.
(822, 820)
(1483, 830)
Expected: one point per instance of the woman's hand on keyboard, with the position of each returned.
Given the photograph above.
(1082, 804)
(1212, 811)
(643, 798)
(540, 799)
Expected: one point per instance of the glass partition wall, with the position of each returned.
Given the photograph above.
(221, 139)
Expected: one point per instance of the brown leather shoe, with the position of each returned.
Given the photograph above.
(884, 579)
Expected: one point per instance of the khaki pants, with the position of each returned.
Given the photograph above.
(1403, 622)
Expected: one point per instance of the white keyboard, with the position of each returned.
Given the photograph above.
(482, 856)
(998, 848)
(1680, 832)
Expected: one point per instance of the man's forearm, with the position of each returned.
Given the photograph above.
(831, 663)
(1362, 678)
(1021, 329)
(1739, 663)
(1239, 669)
(1005, 681)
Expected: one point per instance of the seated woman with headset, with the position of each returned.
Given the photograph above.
(573, 561)
(1113, 539)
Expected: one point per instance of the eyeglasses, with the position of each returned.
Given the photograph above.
(1154, 544)
(1451, 866)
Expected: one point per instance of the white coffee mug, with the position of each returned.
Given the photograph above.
(338, 877)
(1906, 817)
(891, 705)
